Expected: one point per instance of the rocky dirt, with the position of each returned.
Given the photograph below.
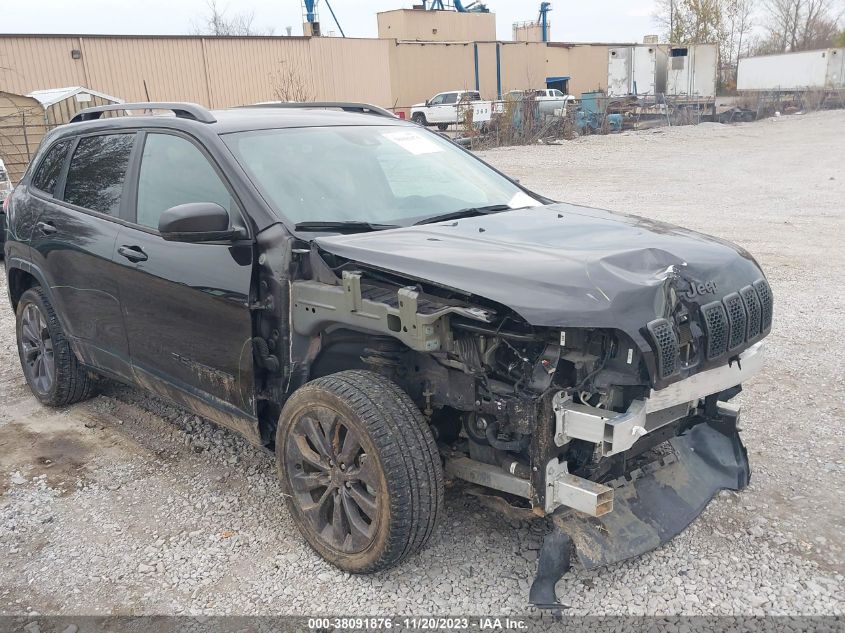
(127, 505)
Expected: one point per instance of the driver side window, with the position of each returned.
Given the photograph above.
(436, 100)
(174, 171)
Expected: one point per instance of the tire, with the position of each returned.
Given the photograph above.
(396, 475)
(442, 126)
(64, 380)
(419, 119)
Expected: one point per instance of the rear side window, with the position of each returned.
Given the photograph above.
(97, 172)
(48, 171)
(173, 172)
(450, 97)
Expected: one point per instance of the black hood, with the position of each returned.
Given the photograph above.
(562, 265)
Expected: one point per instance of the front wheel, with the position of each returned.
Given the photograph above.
(442, 126)
(360, 470)
(419, 119)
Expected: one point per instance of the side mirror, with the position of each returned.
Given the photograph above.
(196, 222)
(427, 103)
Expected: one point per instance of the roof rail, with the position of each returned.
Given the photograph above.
(362, 108)
(182, 110)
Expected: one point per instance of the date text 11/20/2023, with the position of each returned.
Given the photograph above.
(425, 623)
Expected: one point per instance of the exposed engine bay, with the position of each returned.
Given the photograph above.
(558, 418)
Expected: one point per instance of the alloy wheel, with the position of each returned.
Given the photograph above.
(37, 349)
(333, 479)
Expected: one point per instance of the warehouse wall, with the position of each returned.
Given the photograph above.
(218, 72)
(421, 70)
(588, 67)
(229, 71)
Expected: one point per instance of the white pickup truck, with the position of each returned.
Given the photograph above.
(550, 100)
(442, 109)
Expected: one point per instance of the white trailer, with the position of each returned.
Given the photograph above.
(691, 70)
(652, 69)
(807, 70)
(638, 69)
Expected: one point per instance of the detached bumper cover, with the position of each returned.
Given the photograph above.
(655, 505)
(658, 505)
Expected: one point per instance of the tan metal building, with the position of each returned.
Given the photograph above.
(215, 71)
(231, 71)
(436, 26)
(528, 32)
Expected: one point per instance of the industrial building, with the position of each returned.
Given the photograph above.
(417, 54)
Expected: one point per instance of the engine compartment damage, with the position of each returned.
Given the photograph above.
(618, 432)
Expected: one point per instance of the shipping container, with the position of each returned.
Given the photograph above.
(813, 70)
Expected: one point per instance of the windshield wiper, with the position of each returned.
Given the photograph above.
(348, 226)
(469, 212)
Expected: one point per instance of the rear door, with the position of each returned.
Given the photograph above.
(186, 306)
(78, 208)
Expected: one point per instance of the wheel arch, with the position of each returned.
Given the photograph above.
(22, 275)
(20, 279)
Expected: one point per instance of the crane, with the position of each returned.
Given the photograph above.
(458, 5)
(543, 19)
(309, 15)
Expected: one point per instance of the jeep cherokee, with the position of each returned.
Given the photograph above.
(377, 306)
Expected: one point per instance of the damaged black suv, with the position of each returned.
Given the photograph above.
(379, 306)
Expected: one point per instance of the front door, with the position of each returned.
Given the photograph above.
(447, 112)
(186, 306)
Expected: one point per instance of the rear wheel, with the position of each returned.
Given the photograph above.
(442, 126)
(360, 470)
(52, 370)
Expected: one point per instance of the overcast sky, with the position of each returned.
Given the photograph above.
(572, 20)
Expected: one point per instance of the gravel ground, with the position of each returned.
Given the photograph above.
(127, 505)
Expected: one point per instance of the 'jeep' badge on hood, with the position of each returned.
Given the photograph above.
(701, 289)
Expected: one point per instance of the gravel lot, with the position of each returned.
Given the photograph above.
(127, 505)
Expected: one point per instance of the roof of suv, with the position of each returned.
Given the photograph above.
(263, 116)
(241, 119)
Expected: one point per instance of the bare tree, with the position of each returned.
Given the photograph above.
(799, 25)
(289, 85)
(691, 21)
(216, 22)
(739, 22)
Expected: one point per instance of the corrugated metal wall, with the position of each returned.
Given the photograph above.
(218, 72)
(588, 67)
(222, 72)
(418, 71)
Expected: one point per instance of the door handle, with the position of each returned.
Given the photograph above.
(133, 253)
(47, 228)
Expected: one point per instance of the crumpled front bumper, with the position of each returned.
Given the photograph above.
(650, 506)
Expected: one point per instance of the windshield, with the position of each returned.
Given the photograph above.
(387, 175)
